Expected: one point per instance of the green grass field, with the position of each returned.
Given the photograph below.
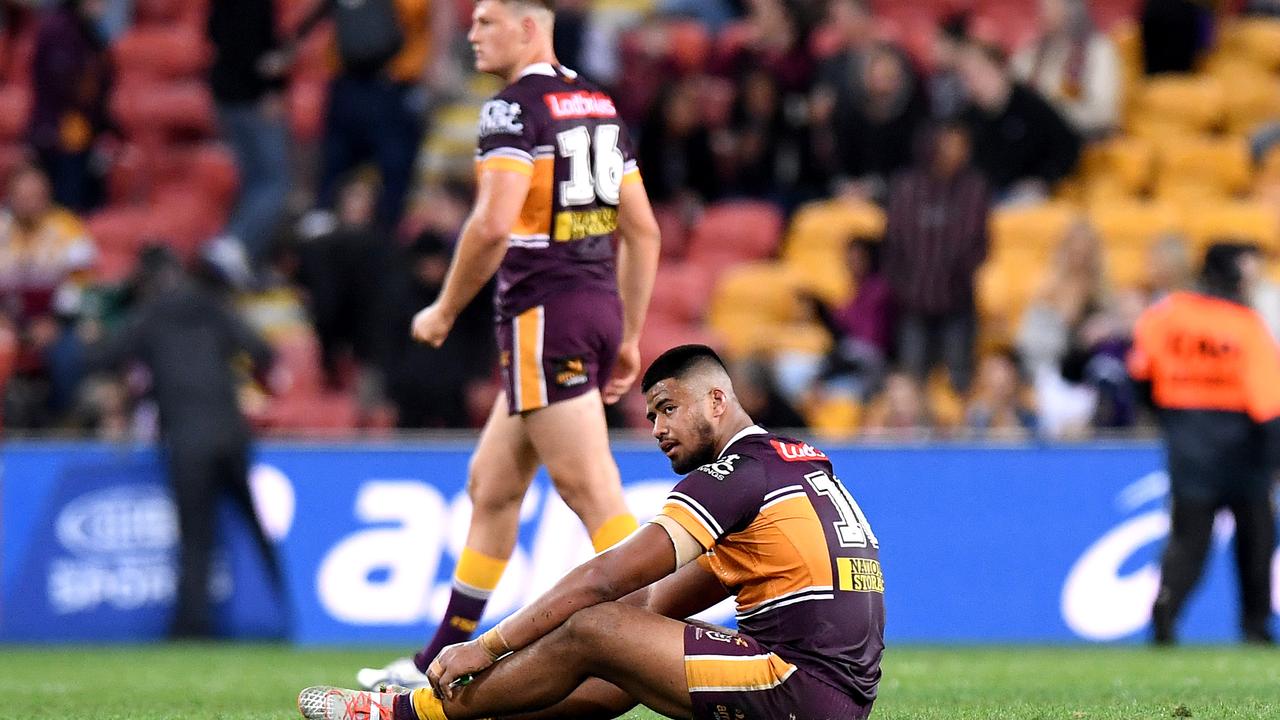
(259, 682)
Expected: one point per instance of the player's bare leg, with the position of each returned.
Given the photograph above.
(572, 440)
(636, 651)
(501, 469)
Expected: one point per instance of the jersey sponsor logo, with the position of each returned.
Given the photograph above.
(722, 468)
(580, 104)
(797, 452)
(582, 224)
(860, 575)
(718, 636)
(500, 117)
(570, 372)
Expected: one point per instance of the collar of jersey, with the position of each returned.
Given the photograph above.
(545, 68)
(744, 432)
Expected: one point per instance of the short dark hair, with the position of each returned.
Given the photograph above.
(677, 362)
(1220, 273)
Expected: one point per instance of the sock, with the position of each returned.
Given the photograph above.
(474, 579)
(613, 531)
(419, 705)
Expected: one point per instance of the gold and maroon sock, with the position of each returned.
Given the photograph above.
(474, 579)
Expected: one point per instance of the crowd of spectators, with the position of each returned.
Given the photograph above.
(781, 101)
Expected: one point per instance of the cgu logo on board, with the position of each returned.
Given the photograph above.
(1100, 603)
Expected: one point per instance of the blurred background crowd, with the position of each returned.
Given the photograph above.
(897, 219)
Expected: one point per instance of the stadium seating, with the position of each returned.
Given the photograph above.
(1255, 39)
(1193, 169)
(816, 241)
(1243, 220)
(1128, 229)
(161, 52)
(733, 232)
(1121, 166)
(1172, 103)
(681, 293)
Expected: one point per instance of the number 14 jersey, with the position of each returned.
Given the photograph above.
(786, 537)
(565, 134)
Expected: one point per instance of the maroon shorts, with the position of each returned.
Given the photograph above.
(732, 676)
(559, 350)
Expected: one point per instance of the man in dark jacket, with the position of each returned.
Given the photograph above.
(1019, 141)
(190, 341)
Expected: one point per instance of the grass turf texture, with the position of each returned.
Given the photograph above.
(260, 682)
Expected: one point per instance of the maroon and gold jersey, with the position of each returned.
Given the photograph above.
(566, 135)
(786, 537)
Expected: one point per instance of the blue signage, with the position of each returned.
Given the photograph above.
(979, 544)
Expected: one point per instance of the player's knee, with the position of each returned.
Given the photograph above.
(586, 627)
(492, 492)
(588, 489)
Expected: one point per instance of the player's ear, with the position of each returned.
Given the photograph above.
(719, 402)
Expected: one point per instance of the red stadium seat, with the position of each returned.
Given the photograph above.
(675, 233)
(114, 265)
(144, 108)
(661, 335)
(162, 52)
(681, 293)
(15, 111)
(735, 231)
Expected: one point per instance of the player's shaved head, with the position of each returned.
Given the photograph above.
(690, 401)
(684, 362)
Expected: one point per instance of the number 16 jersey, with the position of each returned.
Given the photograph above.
(565, 134)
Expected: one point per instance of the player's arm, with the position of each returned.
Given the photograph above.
(639, 244)
(481, 246)
(687, 592)
(646, 557)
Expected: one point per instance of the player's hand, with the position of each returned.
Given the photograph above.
(432, 325)
(625, 370)
(454, 662)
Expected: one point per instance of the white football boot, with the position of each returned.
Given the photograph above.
(401, 672)
(330, 703)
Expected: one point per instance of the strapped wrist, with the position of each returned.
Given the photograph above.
(494, 644)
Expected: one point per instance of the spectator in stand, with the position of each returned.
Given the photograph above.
(1073, 340)
(379, 100)
(1169, 268)
(776, 40)
(853, 23)
(431, 386)
(343, 267)
(901, 410)
(715, 14)
(675, 149)
(1075, 67)
(247, 79)
(759, 144)
(1019, 141)
(758, 392)
(872, 127)
(773, 71)
(861, 330)
(935, 239)
(1174, 35)
(45, 259)
(70, 75)
(998, 408)
(945, 87)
